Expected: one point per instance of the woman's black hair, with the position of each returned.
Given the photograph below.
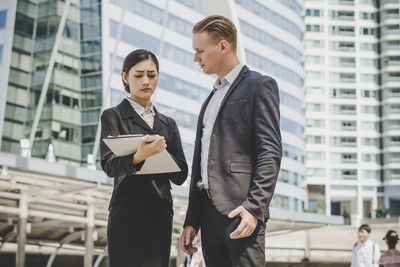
(392, 243)
(134, 58)
(391, 238)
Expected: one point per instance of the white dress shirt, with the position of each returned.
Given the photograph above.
(146, 113)
(210, 115)
(363, 254)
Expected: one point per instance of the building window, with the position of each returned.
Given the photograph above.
(314, 44)
(266, 39)
(342, 15)
(344, 174)
(313, 13)
(183, 118)
(315, 139)
(312, 172)
(369, 141)
(314, 75)
(263, 63)
(288, 100)
(3, 16)
(344, 141)
(369, 125)
(1, 53)
(369, 109)
(315, 155)
(342, 77)
(314, 28)
(310, 123)
(314, 90)
(343, 93)
(368, 46)
(342, 30)
(283, 176)
(268, 14)
(280, 202)
(343, 125)
(315, 59)
(370, 158)
(367, 2)
(315, 107)
(292, 152)
(368, 62)
(367, 16)
(394, 108)
(341, 46)
(367, 31)
(369, 93)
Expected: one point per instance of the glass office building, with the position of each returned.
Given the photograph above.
(73, 100)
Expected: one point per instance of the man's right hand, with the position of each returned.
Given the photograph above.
(187, 237)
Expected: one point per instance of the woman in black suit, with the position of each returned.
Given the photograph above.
(140, 215)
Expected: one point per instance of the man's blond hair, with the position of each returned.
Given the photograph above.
(219, 28)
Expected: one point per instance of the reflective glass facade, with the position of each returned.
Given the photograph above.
(3, 16)
(72, 104)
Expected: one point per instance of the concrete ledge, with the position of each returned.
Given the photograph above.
(41, 166)
(279, 214)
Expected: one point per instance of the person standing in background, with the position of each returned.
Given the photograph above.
(390, 258)
(366, 253)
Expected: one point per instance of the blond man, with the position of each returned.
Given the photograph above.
(237, 153)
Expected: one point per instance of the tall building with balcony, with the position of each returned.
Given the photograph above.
(390, 85)
(345, 122)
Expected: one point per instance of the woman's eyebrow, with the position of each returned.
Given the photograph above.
(144, 71)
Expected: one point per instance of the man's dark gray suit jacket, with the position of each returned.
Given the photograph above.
(245, 149)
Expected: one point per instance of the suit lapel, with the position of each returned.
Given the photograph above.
(132, 117)
(242, 73)
(159, 122)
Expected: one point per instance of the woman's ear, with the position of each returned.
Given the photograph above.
(124, 77)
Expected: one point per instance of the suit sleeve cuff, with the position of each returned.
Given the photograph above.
(132, 168)
(188, 223)
(255, 210)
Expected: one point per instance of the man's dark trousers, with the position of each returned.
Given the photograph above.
(219, 250)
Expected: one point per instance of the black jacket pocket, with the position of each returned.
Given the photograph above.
(240, 167)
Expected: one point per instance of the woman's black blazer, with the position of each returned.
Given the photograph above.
(123, 119)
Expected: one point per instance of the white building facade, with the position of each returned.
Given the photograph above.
(345, 159)
(390, 79)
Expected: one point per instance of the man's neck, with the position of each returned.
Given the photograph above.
(229, 65)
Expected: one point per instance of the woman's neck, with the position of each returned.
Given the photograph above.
(143, 102)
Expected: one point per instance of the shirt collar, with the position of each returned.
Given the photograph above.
(139, 108)
(229, 78)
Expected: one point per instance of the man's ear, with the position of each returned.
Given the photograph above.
(224, 45)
